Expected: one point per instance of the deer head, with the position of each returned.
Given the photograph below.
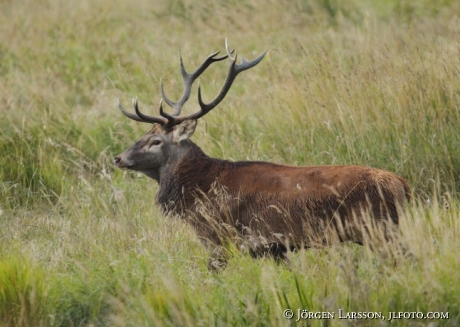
(168, 140)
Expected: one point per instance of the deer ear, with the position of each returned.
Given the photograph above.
(184, 130)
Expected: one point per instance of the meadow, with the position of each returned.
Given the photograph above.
(359, 82)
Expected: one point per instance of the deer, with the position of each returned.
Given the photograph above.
(266, 209)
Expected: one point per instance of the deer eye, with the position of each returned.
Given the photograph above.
(156, 142)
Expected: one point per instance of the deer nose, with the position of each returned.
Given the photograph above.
(117, 161)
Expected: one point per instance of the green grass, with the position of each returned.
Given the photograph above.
(345, 82)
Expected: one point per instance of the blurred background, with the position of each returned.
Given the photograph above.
(356, 82)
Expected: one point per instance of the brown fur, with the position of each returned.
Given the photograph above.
(289, 207)
(265, 207)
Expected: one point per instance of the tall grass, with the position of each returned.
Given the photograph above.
(356, 82)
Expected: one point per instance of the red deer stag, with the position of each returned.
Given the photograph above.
(265, 208)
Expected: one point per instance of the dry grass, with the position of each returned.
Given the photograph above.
(361, 82)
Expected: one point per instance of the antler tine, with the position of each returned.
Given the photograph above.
(188, 79)
(233, 71)
(229, 53)
(150, 119)
(140, 116)
(128, 114)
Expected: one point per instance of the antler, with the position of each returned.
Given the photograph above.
(169, 120)
(140, 116)
(233, 71)
(188, 81)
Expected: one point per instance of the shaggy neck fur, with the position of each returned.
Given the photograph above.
(185, 177)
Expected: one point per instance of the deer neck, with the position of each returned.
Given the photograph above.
(184, 177)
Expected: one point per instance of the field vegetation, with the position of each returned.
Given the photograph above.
(344, 82)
